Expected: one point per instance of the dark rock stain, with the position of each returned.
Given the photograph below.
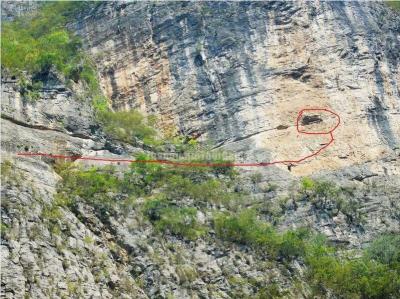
(113, 82)
(380, 121)
(311, 119)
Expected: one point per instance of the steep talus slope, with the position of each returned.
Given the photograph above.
(239, 73)
(235, 73)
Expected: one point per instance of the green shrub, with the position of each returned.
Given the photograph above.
(99, 186)
(349, 278)
(320, 192)
(7, 169)
(178, 187)
(326, 195)
(88, 240)
(10, 174)
(307, 185)
(38, 42)
(292, 243)
(205, 190)
(52, 216)
(270, 291)
(178, 221)
(386, 250)
(179, 182)
(29, 90)
(186, 273)
(359, 278)
(4, 229)
(154, 208)
(245, 228)
(351, 209)
(92, 182)
(127, 125)
(96, 186)
(52, 213)
(203, 154)
(256, 177)
(211, 190)
(223, 169)
(375, 275)
(100, 105)
(143, 177)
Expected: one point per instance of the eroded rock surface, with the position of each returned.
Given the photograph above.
(234, 72)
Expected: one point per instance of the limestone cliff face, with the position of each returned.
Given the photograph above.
(239, 73)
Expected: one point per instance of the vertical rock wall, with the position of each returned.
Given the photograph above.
(238, 73)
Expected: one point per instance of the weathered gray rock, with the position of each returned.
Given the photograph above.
(14, 9)
(238, 73)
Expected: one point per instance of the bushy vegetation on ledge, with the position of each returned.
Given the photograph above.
(326, 196)
(245, 228)
(367, 276)
(171, 199)
(376, 274)
(176, 220)
(108, 189)
(39, 41)
(128, 126)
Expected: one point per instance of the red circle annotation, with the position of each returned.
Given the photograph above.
(205, 164)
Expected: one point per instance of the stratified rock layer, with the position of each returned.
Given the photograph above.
(239, 73)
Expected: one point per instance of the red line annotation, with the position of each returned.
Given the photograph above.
(205, 164)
